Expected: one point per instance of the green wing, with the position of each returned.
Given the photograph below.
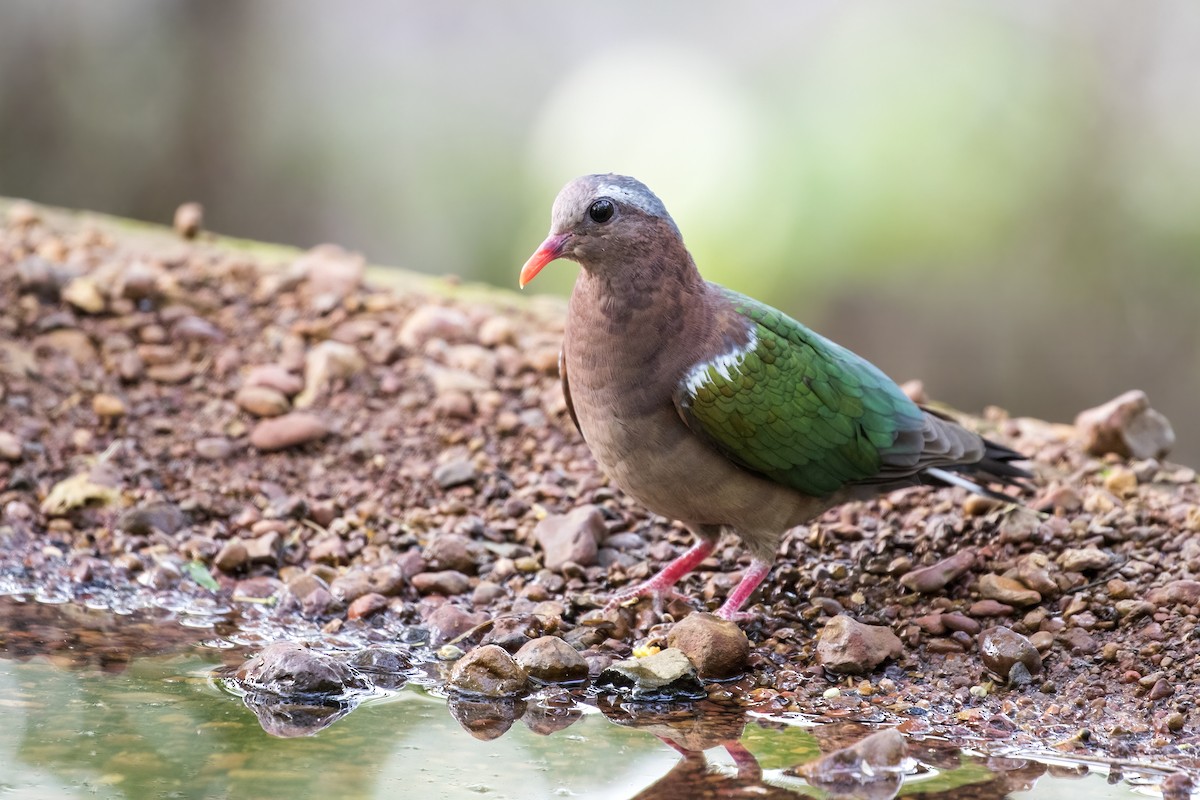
(800, 409)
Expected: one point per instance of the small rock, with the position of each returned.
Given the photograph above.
(915, 389)
(497, 330)
(172, 373)
(196, 329)
(1161, 690)
(1060, 498)
(189, 219)
(1121, 481)
(451, 551)
(145, 520)
(289, 670)
(455, 473)
(960, 622)
(488, 671)
(548, 659)
(108, 406)
(275, 376)
(1042, 640)
(289, 430)
(326, 364)
(1079, 641)
(84, 294)
(10, 447)
(1007, 590)
(572, 537)
(445, 582)
(433, 322)
(261, 401)
(350, 586)
(329, 550)
(1000, 648)
(664, 676)
(989, 608)
(447, 622)
(846, 646)
(1127, 426)
(1182, 592)
(331, 271)
(717, 647)
(936, 577)
(366, 605)
(312, 593)
(1034, 570)
(232, 556)
(213, 448)
(264, 549)
(1083, 559)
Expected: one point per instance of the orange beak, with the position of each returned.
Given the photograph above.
(550, 250)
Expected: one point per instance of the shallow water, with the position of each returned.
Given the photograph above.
(80, 721)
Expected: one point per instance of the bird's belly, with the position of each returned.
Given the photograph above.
(663, 465)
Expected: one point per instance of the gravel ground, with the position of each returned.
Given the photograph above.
(255, 429)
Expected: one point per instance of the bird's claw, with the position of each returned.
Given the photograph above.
(659, 595)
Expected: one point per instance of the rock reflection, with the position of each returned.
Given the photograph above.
(287, 719)
(486, 718)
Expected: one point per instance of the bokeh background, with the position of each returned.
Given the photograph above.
(999, 197)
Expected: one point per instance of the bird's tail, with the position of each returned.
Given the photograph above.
(995, 468)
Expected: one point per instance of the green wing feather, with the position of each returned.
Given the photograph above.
(801, 409)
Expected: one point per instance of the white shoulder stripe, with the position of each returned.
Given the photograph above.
(726, 364)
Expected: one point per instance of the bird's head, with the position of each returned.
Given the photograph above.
(602, 222)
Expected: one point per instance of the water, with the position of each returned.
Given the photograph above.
(82, 722)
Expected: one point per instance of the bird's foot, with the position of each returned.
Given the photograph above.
(660, 595)
(732, 609)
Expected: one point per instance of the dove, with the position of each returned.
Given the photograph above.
(714, 409)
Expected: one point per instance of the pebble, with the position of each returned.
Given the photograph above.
(1121, 481)
(935, 577)
(232, 556)
(326, 364)
(264, 549)
(448, 622)
(573, 537)
(274, 376)
(1001, 648)
(1084, 559)
(213, 448)
(444, 582)
(365, 606)
(497, 330)
(84, 294)
(331, 272)
(10, 447)
(189, 219)
(430, 322)
(718, 648)
(846, 646)
(290, 430)
(287, 669)
(548, 659)
(664, 676)
(458, 472)
(1161, 690)
(1034, 570)
(312, 593)
(1007, 591)
(1181, 592)
(146, 519)
(451, 551)
(488, 671)
(960, 622)
(108, 406)
(1042, 640)
(261, 401)
(1079, 641)
(1127, 426)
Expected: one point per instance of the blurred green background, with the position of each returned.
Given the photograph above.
(999, 197)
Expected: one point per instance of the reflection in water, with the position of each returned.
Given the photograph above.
(158, 727)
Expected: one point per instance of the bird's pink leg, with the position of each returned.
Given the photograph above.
(662, 584)
(731, 610)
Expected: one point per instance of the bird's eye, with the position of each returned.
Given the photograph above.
(601, 211)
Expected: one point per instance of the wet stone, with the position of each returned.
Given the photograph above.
(857, 770)
(1001, 648)
(846, 646)
(664, 676)
(365, 606)
(718, 648)
(488, 671)
(548, 659)
(448, 622)
(290, 670)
